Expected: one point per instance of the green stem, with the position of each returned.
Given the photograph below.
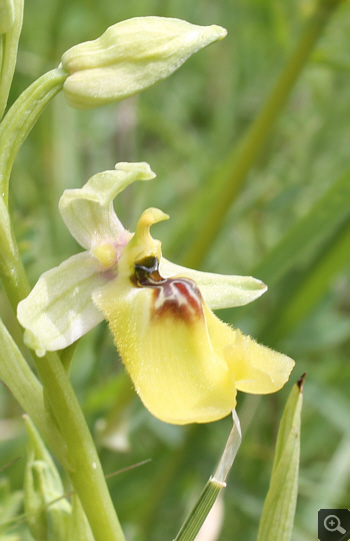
(9, 54)
(19, 378)
(12, 272)
(80, 459)
(85, 469)
(20, 119)
(225, 184)
(14, 129)
(1, 55)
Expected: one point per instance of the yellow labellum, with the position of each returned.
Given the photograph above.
(185, 363)
(166, 348)
(257, 369)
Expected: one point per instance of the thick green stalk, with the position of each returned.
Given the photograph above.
(25, 387)
(85, 469)
(81, 459)
(20, 119)
(217, 197)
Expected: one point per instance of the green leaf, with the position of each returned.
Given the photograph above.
(200, 511)
(221, 190)
(212, 489)
(277, 518)
(310, 286)
(314, 228)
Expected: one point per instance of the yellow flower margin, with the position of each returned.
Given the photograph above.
(185, 363)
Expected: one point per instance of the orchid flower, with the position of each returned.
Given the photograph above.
(186, 364)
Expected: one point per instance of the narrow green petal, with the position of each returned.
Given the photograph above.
(218, 290)
(88, 212)
(59, 309)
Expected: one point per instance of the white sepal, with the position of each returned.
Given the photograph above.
(59, 309)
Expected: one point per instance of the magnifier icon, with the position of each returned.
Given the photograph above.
(332, 524)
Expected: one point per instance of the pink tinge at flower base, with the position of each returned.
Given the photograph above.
(186, 364)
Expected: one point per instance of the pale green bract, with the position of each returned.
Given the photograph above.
(131, 56)
(60, 309)
(48, 512)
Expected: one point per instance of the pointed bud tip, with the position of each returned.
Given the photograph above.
(301, 381)
(220, 32)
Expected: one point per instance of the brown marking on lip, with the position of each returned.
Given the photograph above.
(176, 297)
(179, 298)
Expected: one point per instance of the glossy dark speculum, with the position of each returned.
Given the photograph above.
(176, 297)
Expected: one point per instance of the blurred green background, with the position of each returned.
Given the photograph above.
(276, 230)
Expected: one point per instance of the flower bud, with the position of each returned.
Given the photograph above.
(7, 15)
(48, 512)
(131, 56)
